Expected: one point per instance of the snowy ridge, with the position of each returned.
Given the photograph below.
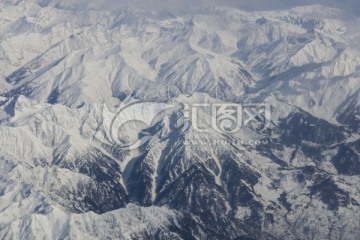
(61, 65)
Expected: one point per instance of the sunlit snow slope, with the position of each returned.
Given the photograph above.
(59, 65)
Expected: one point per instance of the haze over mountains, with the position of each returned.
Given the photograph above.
(60, 64)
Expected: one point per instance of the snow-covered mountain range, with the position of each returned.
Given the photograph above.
(60, 65)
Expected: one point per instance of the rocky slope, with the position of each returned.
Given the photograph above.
(296, 179)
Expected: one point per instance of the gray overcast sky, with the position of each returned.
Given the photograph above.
(352, 6)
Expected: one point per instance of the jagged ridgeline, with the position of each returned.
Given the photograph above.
(64, 170)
